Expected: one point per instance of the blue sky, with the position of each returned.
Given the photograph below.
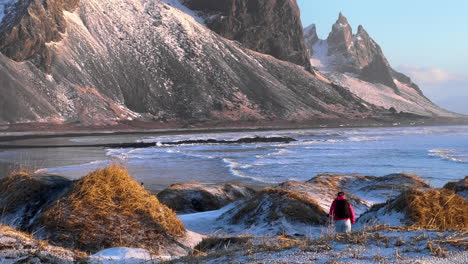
(427, 40)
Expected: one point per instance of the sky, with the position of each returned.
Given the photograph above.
(425, 39)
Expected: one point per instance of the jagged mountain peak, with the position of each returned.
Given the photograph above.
(341, 37)
(341, 24)
(312, 29)
(361, 30)
(311, 37)
(356, 61)
(342, 19)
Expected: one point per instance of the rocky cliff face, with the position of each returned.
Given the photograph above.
(357, 62)
(127, 59)
(32, 24)
(268, 26)
(355, 53)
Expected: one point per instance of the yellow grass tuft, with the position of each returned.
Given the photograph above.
(435, 209)
(107, 208)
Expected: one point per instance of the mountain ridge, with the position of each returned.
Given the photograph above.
(123, 60)
(356, 61)
(129, 59)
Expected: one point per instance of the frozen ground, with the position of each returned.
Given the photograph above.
(379, 245)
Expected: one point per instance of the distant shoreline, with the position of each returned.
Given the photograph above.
(36, 130)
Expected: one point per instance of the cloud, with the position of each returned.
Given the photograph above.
(447, 89)
(426, 75)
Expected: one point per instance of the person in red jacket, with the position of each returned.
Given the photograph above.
(343, 214)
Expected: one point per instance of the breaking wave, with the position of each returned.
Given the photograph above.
(364, 138)
(449, 154)
(235, 169)
(278, 153)
(78, 170)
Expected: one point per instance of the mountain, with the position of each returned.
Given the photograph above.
(99, 62)
(103, 62)
(269, 27)
(357, 62)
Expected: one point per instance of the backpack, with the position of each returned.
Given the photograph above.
(342, 209)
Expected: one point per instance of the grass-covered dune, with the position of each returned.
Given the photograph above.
(108, 209)
(104, 209)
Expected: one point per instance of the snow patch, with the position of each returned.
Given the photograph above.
(320, 58)
(121, 255)
(409, 100)
(179, 5)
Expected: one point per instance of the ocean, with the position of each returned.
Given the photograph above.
(437, 154)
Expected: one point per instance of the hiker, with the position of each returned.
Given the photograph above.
(343, 214)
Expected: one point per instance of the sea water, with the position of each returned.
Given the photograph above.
(437, 154)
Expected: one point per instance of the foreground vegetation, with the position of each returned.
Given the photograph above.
(107, 208)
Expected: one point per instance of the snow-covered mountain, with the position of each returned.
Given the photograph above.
(357, 62)
(105, 61)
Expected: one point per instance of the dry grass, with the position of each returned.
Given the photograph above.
(293, 206)
(399, 181)
(375, 238)
(331, 181)
(17, 189)
(433, 209)
(107, 208)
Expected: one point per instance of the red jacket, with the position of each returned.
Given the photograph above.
(333, 206)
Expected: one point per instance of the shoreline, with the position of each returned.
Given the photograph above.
(102, 137)
(62, 130)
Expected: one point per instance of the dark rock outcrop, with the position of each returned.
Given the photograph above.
(199, 197)
(460, 187)
(25, 31)
(268, 26)
(23, 198)
(247, 140)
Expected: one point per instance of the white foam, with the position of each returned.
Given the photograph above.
(82, 140)
(234, 168)
(75, 171)
(448, 154)
(279, 152)
(364, 138)
(428, 131)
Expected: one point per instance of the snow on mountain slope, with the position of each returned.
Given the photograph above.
(179, 5)
(124, 59)
(357, 62)
(381, 95)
